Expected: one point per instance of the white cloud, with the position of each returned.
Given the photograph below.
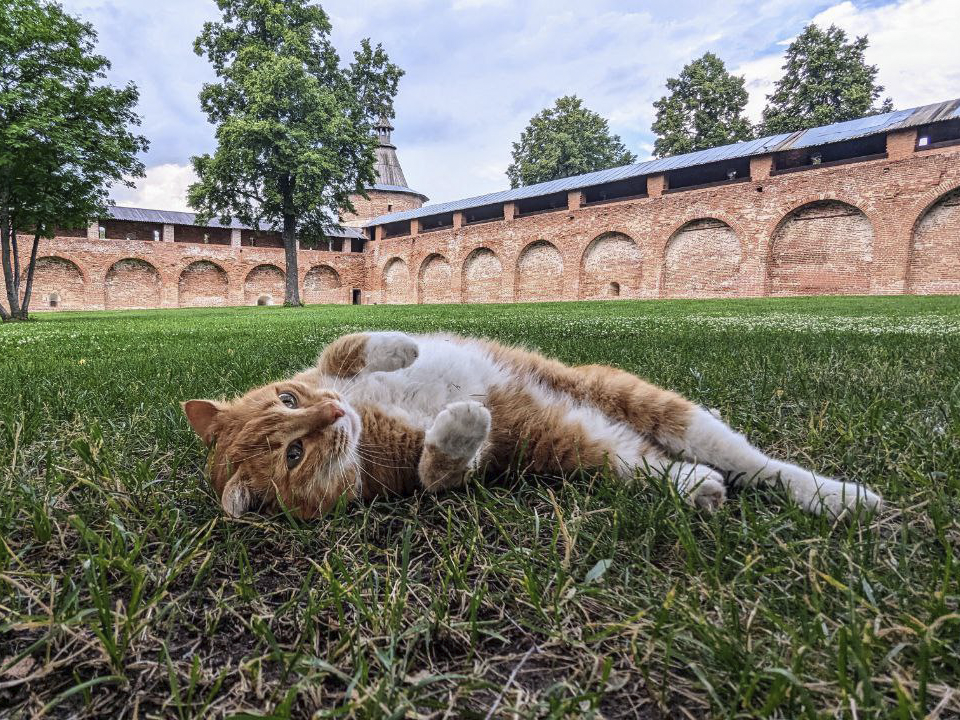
(912, 42)
(163, 188)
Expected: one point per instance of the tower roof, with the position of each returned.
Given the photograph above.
(389, 173)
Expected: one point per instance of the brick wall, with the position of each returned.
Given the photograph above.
(888, 225)
(380, 203)
(881, 226)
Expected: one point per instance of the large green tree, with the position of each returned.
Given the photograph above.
(825, 80)
(64, 135)
(703, 110)
(294, 128)
(566, 139)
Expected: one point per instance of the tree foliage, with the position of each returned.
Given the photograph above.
(825, 80)
(293, 127)
(566, 139)
(703, 109)
(64, 135)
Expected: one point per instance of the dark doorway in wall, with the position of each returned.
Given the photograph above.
(356, 296)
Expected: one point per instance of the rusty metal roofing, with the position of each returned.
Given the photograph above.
(849, 130)
(172, 217)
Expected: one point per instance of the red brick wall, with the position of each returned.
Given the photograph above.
(702, 260)
(434, 285)
(322, 284)
(380, 203)
(882, 226)
(94, 274)
(202, 284)
(845, 229)
(935, 252)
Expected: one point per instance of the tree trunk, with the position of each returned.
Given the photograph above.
(292, 289)
(12, 300)
(31, 267)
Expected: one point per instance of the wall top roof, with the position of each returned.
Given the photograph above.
(172, 217)
(848, 130)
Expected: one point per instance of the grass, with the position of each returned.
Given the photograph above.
(124, 592)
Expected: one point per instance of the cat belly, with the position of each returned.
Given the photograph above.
(443, 373)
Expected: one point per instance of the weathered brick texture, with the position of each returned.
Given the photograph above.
(878, 226)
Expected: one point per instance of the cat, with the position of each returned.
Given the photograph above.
(390, 413)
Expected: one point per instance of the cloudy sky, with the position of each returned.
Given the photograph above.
(477, 70)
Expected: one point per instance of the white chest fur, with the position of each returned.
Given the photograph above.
(444, 372)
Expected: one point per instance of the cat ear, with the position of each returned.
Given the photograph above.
(235, 498)
(201, 414)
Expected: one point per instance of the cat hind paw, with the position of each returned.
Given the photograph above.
(460, 429)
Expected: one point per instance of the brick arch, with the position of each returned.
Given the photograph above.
(679, 222)
(434, 280)
(934, 258)
(203, 283)
(56, 277)
(610, 266)
(795, 204)
(322, 284)
(482, 276)
(265, 284)
(702, 258)
(132, 283)
(396, 282)
(539, 273)
(822, 247)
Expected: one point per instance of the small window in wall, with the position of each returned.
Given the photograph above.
(265, 300)
(356, 245)
(613, 290)
(938, 134)
(484, 213)
(156, 235)
(436, 222)
(400, 228)
(389, 207)
(54, 300)
(617, 190)
(355, 296)
(102, 232)
(542, 203)
(718, 173)
(858, 150)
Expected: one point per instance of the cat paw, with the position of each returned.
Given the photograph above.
(708, 495)
(460, 429)
(389, 351)
(703, 488)
(836, 498)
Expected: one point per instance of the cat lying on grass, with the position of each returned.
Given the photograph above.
(389, 413)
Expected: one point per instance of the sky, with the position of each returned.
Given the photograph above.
(478, 70)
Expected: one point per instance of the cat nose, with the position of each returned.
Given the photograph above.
(338, 412)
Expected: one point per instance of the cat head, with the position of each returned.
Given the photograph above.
(289, 441)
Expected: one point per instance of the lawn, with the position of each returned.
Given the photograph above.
(123, 590)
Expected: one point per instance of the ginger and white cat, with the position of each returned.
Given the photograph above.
(387, 413)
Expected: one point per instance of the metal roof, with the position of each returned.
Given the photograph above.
(836, 132)
(172, 217)
(395, 188)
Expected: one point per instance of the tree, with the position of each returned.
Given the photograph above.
(64, 137)
(294, 128)
(703, 110)
(567, 139)
(825, 80)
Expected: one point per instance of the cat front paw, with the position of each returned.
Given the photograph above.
(389, 351)
(460, 429)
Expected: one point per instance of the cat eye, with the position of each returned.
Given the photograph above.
(294, 454)
(288, 399)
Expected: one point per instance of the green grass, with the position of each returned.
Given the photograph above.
(123, 591)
